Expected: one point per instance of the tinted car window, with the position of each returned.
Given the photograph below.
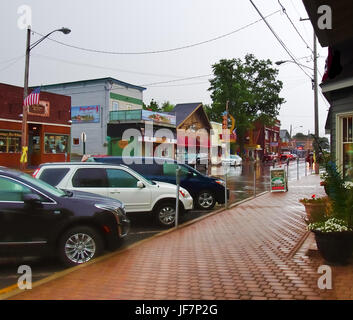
(54, 176)
(121, 179)
(169, 169)
(11, 190)
(150, 169)
(90, 178)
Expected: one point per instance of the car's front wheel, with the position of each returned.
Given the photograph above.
(205, 200)
(79, 245)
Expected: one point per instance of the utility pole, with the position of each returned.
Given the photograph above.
(316, 104)
(226, 137)
(29, 47)
(24, 137)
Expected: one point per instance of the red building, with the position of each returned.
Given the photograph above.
(262, 140)
(49, 125)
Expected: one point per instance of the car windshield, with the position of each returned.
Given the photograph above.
(191, 169)
(43, 185)
(141, 177)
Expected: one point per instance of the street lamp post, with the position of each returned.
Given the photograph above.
(316, 102)
(315, 88)
(290, 134)
(29, 47)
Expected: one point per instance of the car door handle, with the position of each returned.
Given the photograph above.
(114, 191)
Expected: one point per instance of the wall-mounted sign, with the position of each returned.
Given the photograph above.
(42, 109)
(85, 114)
(158, 117)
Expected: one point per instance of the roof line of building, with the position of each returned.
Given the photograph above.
(125, 84)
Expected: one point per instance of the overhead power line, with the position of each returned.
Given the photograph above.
(159, 51)
(181, 85)
(14, 61)
(175, 80)
(279, 39)
(295, 28)
(103, 67)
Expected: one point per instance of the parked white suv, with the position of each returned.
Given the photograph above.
(137, 193)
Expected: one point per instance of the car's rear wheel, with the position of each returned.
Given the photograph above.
(165, 214)
(79, 245)
(205, 200)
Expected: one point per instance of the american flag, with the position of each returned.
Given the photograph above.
(33, 98)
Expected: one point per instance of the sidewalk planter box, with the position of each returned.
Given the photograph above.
(315, 211)
(335, 247)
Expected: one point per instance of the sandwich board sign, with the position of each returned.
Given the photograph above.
(279, 181)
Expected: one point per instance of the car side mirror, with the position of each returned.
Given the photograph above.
(140, 184)
(32, 199)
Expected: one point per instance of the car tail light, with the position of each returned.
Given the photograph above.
(35, 173)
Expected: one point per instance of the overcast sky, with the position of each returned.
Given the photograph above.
(141, 25)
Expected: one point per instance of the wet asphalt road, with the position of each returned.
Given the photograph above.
(240, 181)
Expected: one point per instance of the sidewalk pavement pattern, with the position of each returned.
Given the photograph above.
(256, 250)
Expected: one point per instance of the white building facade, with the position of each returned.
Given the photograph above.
(92, 103)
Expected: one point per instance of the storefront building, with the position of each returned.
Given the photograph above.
(141, 132)
(48, 128)
(216, 142)
(95, 104)
(337, 82)
(193, 132)
(262, 140)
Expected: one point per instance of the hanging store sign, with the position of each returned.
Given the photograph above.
(42, 109)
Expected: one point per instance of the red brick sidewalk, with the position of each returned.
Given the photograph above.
(256, 250)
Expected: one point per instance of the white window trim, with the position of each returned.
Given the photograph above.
(339, 137)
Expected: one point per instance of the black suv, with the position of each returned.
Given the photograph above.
(205, 190)
(38, 219)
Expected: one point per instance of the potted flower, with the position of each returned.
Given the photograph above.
(334, 233)
(334, 239)
(316, 208)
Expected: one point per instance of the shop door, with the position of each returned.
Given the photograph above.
(34, 142)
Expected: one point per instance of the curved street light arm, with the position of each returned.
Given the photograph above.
(284, 61)
(63, 30)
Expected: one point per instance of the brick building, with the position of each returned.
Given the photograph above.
(48, 127)
(262, 140)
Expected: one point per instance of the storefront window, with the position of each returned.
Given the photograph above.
(347, 148)
(55, 143)
(10, 142)
(266, 134)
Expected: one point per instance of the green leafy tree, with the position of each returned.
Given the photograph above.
(321, 143)
(252, 92)
(300, 135)
(167, 106)
(153, 106)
